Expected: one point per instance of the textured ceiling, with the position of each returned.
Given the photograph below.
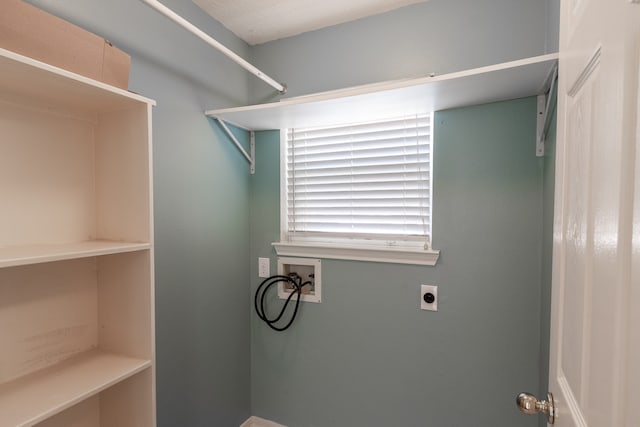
(260, 21)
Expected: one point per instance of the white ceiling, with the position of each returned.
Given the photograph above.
(260, 21)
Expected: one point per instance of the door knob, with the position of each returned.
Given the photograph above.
(529, 404)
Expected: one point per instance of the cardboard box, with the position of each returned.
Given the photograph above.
(32, 32)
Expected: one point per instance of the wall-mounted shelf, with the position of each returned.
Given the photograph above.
(510, 80)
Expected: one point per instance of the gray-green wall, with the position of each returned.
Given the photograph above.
(437, 36)
(367, 355)
(201, 207)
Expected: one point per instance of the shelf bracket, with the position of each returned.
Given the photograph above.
(546, 103)
(252, 145)
(252, 148)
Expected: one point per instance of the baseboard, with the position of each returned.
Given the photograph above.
(260, 422)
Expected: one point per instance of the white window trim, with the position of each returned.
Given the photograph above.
(409, 254)
(396, 255)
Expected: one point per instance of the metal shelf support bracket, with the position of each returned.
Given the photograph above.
(252, 145)
(546, 103)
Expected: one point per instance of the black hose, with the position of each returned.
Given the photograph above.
(297, 284)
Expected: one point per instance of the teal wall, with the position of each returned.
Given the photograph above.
(201, 192)
(367, 355)
(437, 36)
(553, 26)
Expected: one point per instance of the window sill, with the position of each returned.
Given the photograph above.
(396, 255)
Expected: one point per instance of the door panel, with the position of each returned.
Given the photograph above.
(633, 368)
(595, 350)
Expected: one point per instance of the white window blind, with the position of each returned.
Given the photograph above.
(367, 181)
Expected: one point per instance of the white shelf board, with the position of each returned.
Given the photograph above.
(25, 79)
(11, 256)
(38, 396)
(510, 80)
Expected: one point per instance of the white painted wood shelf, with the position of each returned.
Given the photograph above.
(510, 80)
(34, 254)
(76, 250)
(40, 395)
(52, 87)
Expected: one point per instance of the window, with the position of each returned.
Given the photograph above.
(361, 188)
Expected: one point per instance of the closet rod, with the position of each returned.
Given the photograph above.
(215, 43)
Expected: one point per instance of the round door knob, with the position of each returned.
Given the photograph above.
(529, 404)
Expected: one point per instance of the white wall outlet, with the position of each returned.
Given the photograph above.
(263, 267)
(429, 297)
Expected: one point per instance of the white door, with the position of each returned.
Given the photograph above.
(595, 326)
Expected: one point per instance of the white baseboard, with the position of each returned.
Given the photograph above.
(260, 422)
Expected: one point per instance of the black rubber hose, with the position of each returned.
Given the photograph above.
(264, 288)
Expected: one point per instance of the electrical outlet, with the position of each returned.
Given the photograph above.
(263, 267)
(429, 297)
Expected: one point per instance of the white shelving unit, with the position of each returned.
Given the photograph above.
(509, 80)
(76, 251)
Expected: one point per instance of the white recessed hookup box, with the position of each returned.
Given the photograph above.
(308, 269)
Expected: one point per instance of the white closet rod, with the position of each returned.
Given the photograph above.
(215, 43)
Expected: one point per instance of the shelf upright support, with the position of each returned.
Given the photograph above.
(540, 137)
(250, 157)
(543, 112)
(252, 146)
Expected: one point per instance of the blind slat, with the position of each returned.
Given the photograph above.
(345, 179)
(366, 229)
(346, 203)
(363, 170)
(356, 186)
(364, 214)
(362, 143)
(378, 158)
(360, 195)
